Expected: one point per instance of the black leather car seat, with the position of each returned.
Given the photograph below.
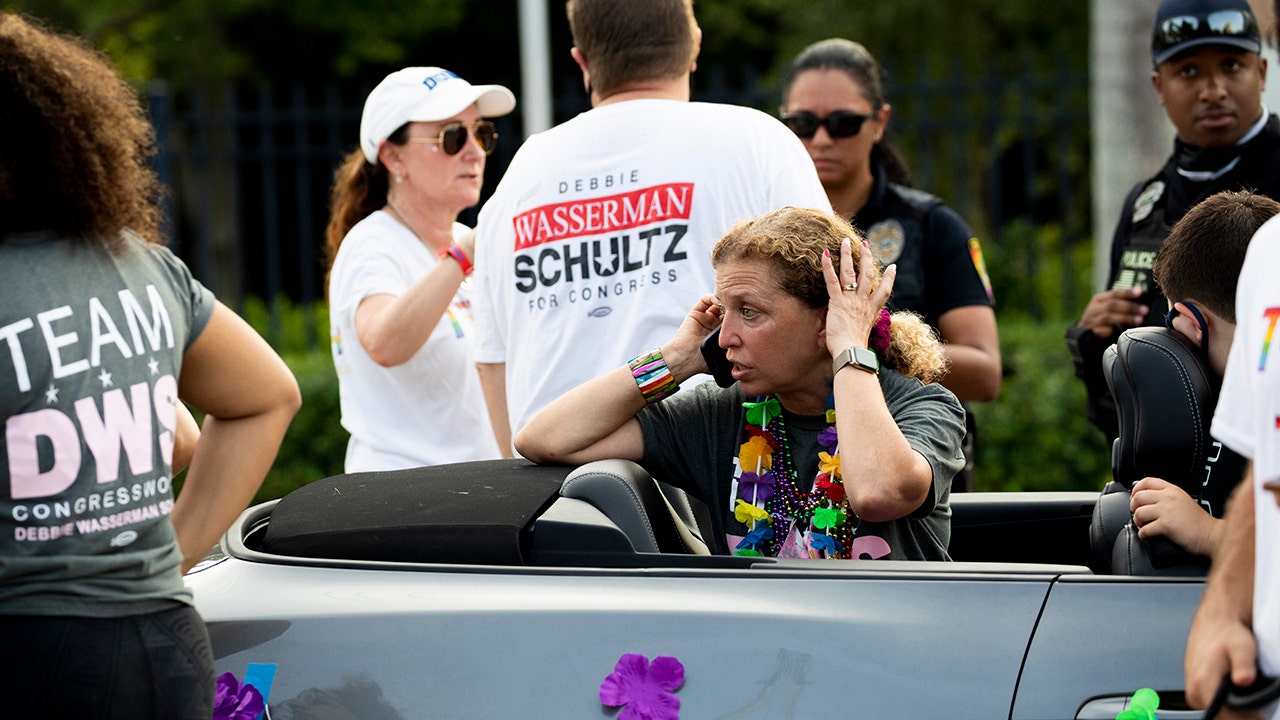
(1165, 393)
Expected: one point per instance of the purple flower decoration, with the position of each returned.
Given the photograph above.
(233, 701)
(756, 488)
(646, 689)
(828, 439)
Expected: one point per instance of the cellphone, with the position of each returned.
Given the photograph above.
(717, 360)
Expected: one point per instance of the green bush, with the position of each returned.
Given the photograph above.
(316, 444)
(1035, 436)
(1037, 274)
(291, 329)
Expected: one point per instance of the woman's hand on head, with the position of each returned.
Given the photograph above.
(851, 313)
(683, 353)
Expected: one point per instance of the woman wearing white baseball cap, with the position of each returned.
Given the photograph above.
(400, 316)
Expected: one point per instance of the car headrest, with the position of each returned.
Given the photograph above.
(1157, 556)
(1165, 393)
(633, 500)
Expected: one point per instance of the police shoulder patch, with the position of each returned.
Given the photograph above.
(979, 264)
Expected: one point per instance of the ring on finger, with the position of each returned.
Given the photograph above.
(850, 286)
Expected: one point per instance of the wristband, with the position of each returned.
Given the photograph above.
(653, 377)
(456, 253)
(859, 357)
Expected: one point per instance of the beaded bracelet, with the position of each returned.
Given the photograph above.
(653, 377)
(456, 253)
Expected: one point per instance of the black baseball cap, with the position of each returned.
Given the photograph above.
(1185, 24)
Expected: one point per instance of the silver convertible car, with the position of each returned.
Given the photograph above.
(502, 589)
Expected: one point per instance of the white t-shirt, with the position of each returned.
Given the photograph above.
(426, 411)
(1247, 420)
(597, 242)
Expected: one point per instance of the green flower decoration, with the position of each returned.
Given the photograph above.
(1142, 706)
(760, 413)
(828, 517)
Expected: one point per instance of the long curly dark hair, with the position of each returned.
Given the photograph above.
(75, 144)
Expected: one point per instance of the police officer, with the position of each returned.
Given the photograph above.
(833, 98)
(1209, 78)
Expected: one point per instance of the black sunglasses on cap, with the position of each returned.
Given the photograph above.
(839, 124)
(454, 137)
(1233, 27)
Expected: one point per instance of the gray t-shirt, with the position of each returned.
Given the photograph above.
(91, 346)
(691, 439)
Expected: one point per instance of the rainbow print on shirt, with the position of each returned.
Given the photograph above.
(1272, 314)
(453, 319)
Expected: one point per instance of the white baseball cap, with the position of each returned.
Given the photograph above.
(424, 94)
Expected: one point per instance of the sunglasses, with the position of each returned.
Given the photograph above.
(839, 124)
(1220, 23)
(454, 137)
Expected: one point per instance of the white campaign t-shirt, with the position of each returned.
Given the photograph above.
(426, 411)
(597, 242)
(1247, 420)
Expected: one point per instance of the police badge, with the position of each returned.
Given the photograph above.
(1143, 206)
(886, 239)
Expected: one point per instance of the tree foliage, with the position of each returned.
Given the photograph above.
(190, 42)
(198, 41)
(995, 36)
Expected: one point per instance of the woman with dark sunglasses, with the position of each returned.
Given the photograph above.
(833, 99)
(399, 297)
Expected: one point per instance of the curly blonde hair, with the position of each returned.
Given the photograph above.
(75, 144)
(792, 239)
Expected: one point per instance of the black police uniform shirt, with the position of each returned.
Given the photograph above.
(1149, 211)
(940, 265)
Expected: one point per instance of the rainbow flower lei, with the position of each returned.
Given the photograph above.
(769, 500)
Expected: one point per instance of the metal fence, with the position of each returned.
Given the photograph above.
(250, 172)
